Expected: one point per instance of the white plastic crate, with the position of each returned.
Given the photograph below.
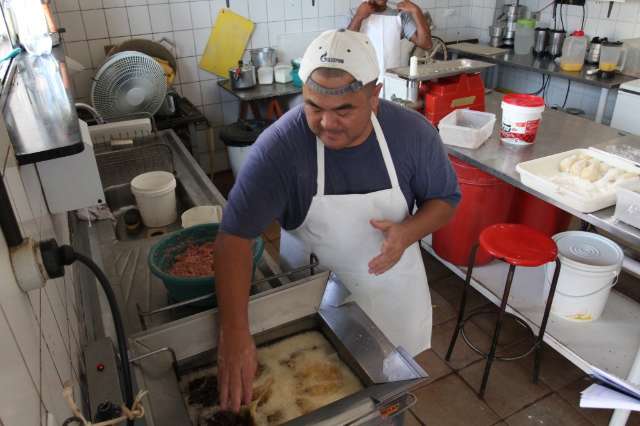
(466, 128)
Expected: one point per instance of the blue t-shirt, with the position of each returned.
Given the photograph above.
(278, 179)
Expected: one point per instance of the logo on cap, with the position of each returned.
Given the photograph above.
(324, 58)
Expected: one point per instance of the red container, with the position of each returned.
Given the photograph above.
(451, 93)
(532, 211)
(486, 200)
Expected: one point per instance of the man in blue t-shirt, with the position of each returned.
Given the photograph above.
(342, 174)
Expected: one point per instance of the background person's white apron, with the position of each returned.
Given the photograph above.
(385, 32)
(338, 231)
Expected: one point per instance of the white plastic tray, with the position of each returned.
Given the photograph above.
(537, 174)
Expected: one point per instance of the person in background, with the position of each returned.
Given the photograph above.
(350, 177)
(387, 26)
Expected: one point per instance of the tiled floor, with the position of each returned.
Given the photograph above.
(449, 396)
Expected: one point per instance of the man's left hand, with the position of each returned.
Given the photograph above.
(394, 244)
(408, 6)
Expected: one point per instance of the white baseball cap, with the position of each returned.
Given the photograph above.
(342, 49)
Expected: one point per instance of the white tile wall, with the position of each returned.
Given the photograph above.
(287, 25)
(38, 330)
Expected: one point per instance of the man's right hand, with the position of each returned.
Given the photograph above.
(237, 364)
(365, 10)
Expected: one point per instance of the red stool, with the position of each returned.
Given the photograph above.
(517, 245)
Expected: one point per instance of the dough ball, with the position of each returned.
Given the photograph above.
(583, 157)
(566, 163)
(591, 172)
(576, 168)
(604, 167)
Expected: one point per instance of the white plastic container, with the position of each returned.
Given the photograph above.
(200, 215)
(628, 204)
(237, 156)
(265, 75)
(524, 37)
(155, 194)
(574, 51)
(539, 174)
(466, 128)
(590, 267)
(283, 73)
(521, 117)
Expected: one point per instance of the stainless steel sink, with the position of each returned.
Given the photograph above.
(123, 257)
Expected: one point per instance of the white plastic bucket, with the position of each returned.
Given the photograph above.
(200, 215)
(590, 267)
(155, 194)
(521, 117)
(237, 156)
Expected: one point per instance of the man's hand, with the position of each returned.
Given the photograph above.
(365, 10)
(408, 6)
(395, 243)
(237, 365)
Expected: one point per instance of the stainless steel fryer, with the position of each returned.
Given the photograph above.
(319, 302)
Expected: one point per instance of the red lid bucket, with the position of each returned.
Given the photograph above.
(521, 116)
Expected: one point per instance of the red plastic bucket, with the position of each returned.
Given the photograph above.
(532, 211)
(486, 200)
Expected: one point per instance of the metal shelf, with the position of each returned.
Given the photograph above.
(610, 343)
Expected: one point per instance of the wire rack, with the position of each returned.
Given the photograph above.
(120, 166)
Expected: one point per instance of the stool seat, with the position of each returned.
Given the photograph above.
(518, 245)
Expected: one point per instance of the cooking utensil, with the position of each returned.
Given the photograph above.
(227, 42)
(242, 76)
(265, 56)
(541, 38)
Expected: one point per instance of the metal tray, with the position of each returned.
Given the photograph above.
(442, 69)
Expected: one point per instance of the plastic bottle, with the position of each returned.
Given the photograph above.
(574, 50)
(31, 25)
(525, 36)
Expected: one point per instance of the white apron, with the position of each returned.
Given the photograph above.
(385, 32)
(338, 231)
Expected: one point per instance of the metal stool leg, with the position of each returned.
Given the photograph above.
(543, 326)
(463, 302)
(496, 333)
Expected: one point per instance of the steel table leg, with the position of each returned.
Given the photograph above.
(620, 417)
(602, 103)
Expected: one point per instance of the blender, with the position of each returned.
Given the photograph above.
(612, 59)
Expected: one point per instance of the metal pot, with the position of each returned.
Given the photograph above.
(265, 56)
(242, 76)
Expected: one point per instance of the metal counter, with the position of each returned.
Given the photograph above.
(546, 65)
(558, 132)
(261, 91)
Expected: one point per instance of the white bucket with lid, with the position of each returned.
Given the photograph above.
(521, 116)
(591, 264)
(155, 194)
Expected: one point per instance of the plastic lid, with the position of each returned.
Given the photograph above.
(522, 100)
(531, 23)
(588, 249)
(578, 33)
